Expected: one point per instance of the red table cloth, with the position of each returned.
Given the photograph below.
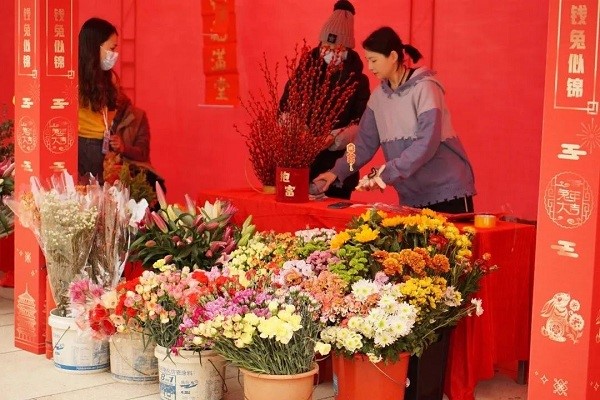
(478, 344)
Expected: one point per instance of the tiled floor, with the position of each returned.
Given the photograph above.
(25, 376)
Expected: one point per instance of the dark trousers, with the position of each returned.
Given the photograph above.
(454, 206)
(90, 159)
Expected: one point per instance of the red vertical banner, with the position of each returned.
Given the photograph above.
(220, 52)
(565, 344)
(46, 102)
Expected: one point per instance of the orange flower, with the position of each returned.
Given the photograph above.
(441, 263)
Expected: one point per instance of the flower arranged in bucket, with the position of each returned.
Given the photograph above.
(192, 236)
(63, 219)
(262, 330)
(410, 275)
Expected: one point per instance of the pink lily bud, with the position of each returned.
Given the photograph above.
(198, 220)
(189, 240)
(160, 223)
(160, 196)
(216, 245)
(208, 253)
(230, 247)
(191, 204)
(227, 233)
(176, 239)
(168, 259)
(201, 228)
(180, 244)
(150, 243)
(212, 226)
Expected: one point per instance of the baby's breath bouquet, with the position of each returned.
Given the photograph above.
(63, 220)
(400, 266)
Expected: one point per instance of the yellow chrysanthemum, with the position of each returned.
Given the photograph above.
(339, 240)
(366, 234)
(392, 221)
(382, 214)
(366, 216)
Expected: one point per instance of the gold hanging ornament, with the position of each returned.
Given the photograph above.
(351, 155)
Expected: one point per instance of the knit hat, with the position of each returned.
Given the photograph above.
(339, 28)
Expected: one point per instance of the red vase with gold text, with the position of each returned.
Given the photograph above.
(291, 185)
(358, 378)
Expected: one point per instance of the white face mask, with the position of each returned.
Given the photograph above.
(336, 57)
(109, 61)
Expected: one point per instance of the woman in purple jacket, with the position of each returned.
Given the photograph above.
(407, 117)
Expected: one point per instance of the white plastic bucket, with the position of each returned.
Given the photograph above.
(132, 360)
(73, 351)
(190, 375)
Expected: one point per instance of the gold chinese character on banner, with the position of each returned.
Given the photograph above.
(218, 59)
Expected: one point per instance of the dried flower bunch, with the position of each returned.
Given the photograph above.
(294, 134)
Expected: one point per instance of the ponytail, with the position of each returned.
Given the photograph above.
(414, 54)
(385, 40)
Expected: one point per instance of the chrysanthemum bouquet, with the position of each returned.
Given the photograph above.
(192, 236)
(410, 276)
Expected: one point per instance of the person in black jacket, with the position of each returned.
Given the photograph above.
(336, 44)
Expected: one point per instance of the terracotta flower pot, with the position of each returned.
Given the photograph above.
(276, 387)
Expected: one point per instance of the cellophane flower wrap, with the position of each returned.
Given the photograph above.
(192, 236)
(118, 220)
(63, 219)
(87, 306)
(407, 276)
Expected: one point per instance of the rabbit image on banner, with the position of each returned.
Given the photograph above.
(562, 320)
